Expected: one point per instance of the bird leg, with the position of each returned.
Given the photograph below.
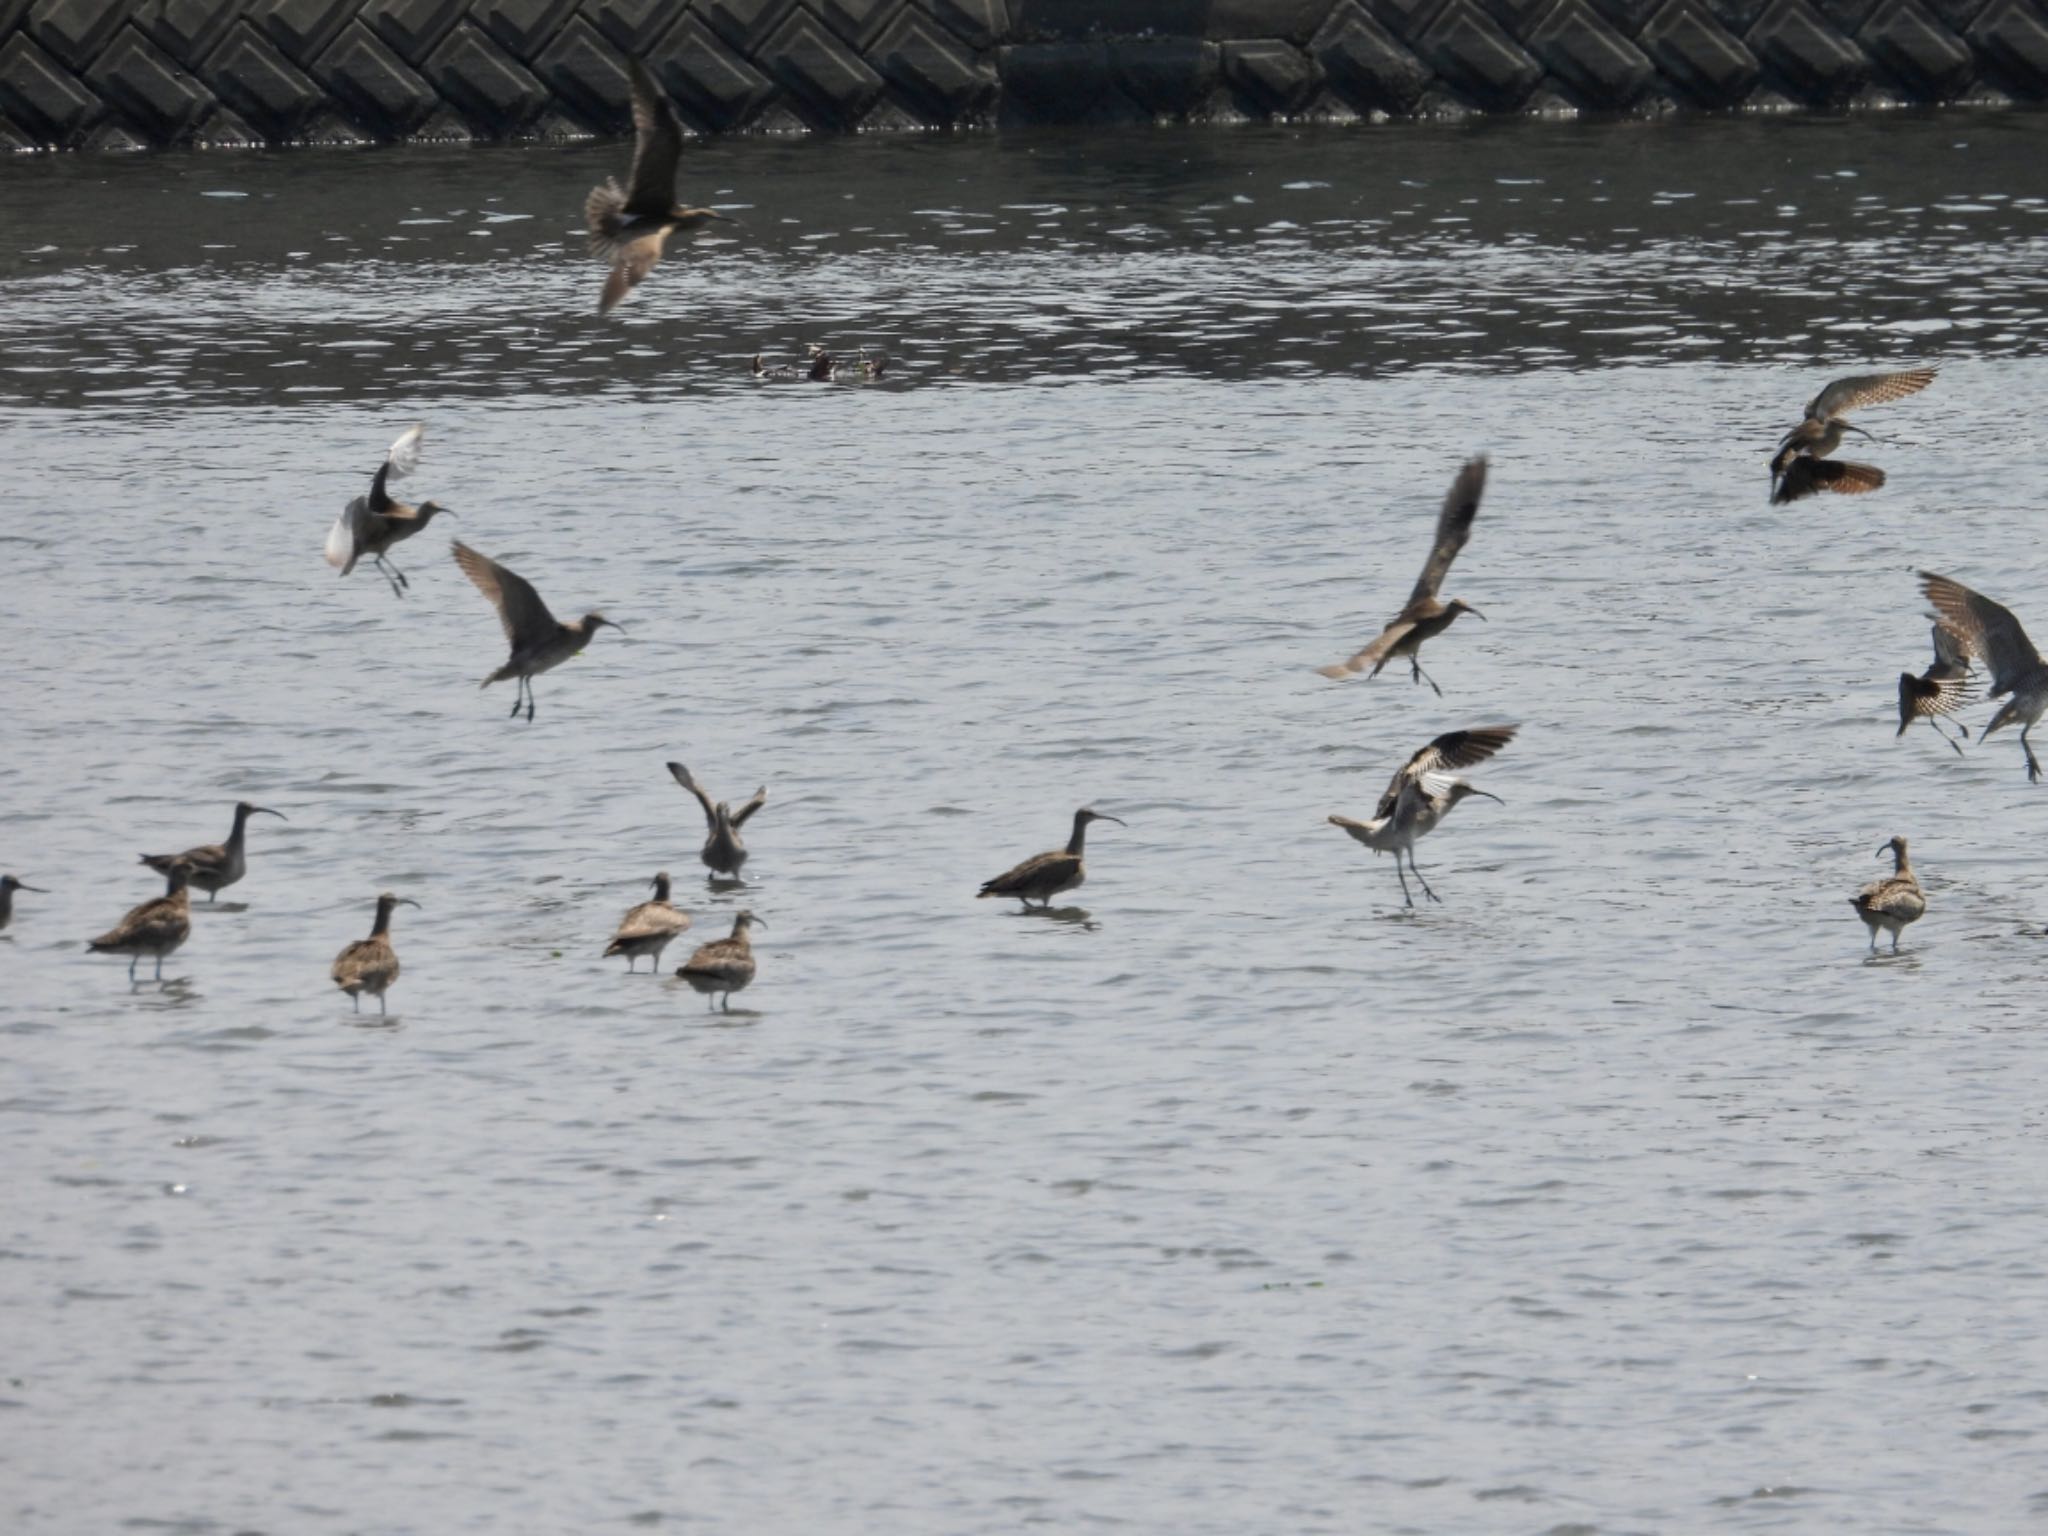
(518, 696)
(215, 896)
(1421, 676)
(356, 1001)
(1895, 941)
(1944, 735)
(393, 575)
(383, 1007)
(159, 966)
(1416, 869)
(132, 959)
(1406, 899)
(2033, 765)
(529, 701)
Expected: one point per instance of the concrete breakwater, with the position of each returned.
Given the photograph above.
(125, 74)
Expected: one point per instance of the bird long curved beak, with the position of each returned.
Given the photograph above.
(406, 901)
(1846, 427)
(20, 886)
(757, 922)
(615, 624)
(1887, 848)
(258, 810)
(1117, 819)
(1496, 799)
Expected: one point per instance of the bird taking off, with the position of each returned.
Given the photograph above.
(1941, 690)
(371, 524)
(1425, 615)
(723, 852)
(1993, 636)
(1422, 792)
(1795, 462)
(540, 642)
(630, 228)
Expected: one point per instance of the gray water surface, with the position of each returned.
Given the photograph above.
(1620, 1192)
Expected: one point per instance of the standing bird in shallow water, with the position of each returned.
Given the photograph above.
(629, 229)
(1889, 904)
(371, 965)
(647, 928)
(1045, 875)
(1941, 690)
(155, 928)
(1796, 468)
(724, 966)
(1992, 635)
(539, 641)
(371, 524)
(216, 866)
(1425, 615)
(8, 886)
(1421, 793)
(723, 853)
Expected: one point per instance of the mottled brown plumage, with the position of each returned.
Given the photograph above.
(1942, 690)
(631, 228)
(724, 966)
(1806, 477)
(1888, 905)
(648, 928)
(1045, 875)
(1992, 635)
(1820, 432)
(1426, 615)
(216, 866)
(371, 965)
(155, 928)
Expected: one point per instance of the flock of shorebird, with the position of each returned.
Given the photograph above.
(630, 228)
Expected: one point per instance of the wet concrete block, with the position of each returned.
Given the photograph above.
(1628, 17)
(1056, 20)
(300, 28)
(187, 30)
(1469, 51)
(249, 74)
(112, 138)
(74, 31)
(1911, 46)
(1366, 65)
(633, 25)
(148, 87)
(1805, 57)
(1704, 61)
(1295, 21)
(743, 24)
(1405, 19)
(413, 27)
(1738, 16)
(1275, 76)
(1062, 83)
(484, 83)
(2011, 39)
(887, 117)
(933, 68)
(1595, 63)
(979, 23)
(367, 79)
(1167, 76)
(858, 22)
(1956, 15)
(584, 72)
(1517, 17)
(712, 82)
(43, 97)
(224, 130)
(1847, 16)
(522, 27)
(818, 69)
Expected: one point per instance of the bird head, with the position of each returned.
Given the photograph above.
(743, 921)
(594, 621)
(1459, 605)
(9, 883)
(429, 510)
(1896, 848)
(244, 810)
(389, 900)
(1460, 789)
(1083, 817)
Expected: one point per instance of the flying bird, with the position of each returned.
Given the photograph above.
(631, 228)
(1807, 477)
(1941, 690)
(1820, 433)
(1426, 616)
(216, 866)
(1993, 636)
(539, 641)
(1045, 875)
(1422, 792)
(371, 524)
(723, 853)
(1889, 904)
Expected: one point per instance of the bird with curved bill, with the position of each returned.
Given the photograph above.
(1793, 462)
(1992, 635)
(370, 525)
(540, 642)
(1422, 792)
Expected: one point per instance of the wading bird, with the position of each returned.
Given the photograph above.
(371, 524)
(1425, 615)
(647, 928)
(1941, 690)
(539, 641)
(1421, 793)
(723, 853)
(1889, 904)
(630, 228)
(1820, 433)
(1993, 636)
(724, 966)
(8, 886)
(371, 965)
(216, 866)
(1045, 875)
(155, 928)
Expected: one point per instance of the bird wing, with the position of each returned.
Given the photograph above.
(1805, 476)
(650, 918)
(1373, 654)
(739, 817)
(636, 260)
(404, 457)
(520, 610)
(1453, 527)
(1950, 648)
(1027, 873)
(346, 534)
(657, 147)
(1452, 750)
(1868, 389)
(682, 776)
(1990, 631)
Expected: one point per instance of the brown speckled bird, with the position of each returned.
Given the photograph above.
(1045, 875)
(1820, 433)
(648, 928)
(155, 928)
(1889, 904)
(723, 966)
(371, 965)
(630, 228)
(1941, 690)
